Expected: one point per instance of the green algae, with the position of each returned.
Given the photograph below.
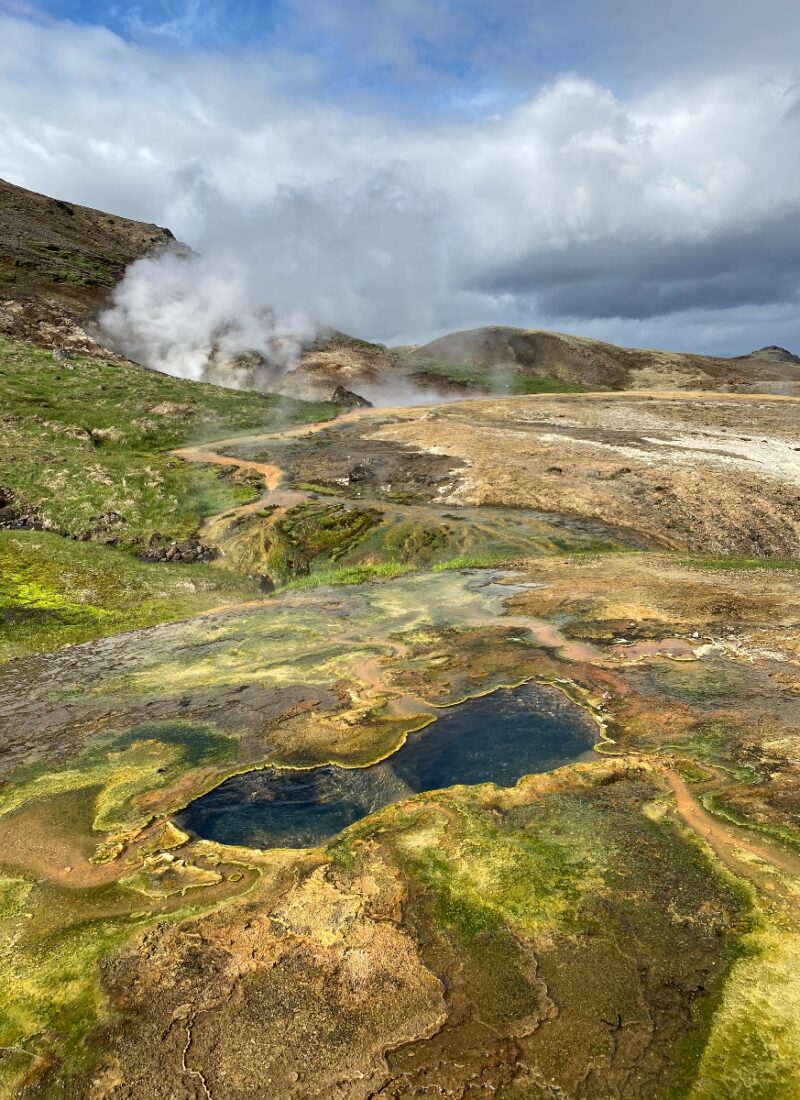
(716, 804)
(625, 918)
(51, 994)
(161, 877)
(51, 949)
(755, 1034)
(509, 873)
(120, 766)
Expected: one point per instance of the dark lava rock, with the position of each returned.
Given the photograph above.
(61, 355)
(349, 400)
(16, 518)
(266, 583)
(361, 473)
(108, 519)
(180, 553)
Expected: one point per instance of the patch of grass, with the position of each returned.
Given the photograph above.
(312, 487)
(79, 443)
(495, 379)
(525, 383)
(478, 561)
(740, 564)
(55, 592)
(350, 574)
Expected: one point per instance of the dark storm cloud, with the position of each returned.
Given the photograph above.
(744, 266)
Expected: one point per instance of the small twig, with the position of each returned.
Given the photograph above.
(22, 1050)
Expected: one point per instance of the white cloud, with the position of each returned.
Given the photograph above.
(573, 208)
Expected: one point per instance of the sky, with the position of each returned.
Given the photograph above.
(628, 169)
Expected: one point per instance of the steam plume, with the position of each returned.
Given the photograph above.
(200, 317)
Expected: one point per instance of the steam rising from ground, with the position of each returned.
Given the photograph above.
(202, 318)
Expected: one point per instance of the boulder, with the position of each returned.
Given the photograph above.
(349, 400)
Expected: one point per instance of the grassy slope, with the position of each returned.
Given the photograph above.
(55, 591)
(79, 443)
(482, 377)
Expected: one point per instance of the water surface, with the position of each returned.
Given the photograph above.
(497, 738)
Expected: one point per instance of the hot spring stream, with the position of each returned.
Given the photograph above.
(497, 738)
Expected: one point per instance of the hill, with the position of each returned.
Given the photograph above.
(58, 261)
(500, 360)
(499, 357)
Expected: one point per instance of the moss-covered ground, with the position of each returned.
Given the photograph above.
(55, 592)
(90, 437)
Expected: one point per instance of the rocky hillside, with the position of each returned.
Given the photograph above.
(498, 358)
(58, 262)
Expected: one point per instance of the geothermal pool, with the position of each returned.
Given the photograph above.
(497, 738)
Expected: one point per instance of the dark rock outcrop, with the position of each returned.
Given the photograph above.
(349, 400)
(191, 550)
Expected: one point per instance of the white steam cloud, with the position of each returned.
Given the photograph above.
(200, 318)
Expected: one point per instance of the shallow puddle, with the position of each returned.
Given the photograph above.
(497, 738)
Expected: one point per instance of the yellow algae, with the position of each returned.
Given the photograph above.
(160, 877)
(752, 1051)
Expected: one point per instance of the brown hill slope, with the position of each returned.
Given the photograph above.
(500, 360)
(515, 354)
(58, 261)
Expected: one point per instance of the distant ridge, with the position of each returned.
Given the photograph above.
(772, 354)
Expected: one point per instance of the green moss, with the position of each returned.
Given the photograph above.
(520, 872)
(524, 383)
(55, 592)
(415, 544)
(467, 561)
(691, 771)
(715, 741)
(312, 531)
(715, 803)
(752, 1051)
(349, 574)
(741, 563)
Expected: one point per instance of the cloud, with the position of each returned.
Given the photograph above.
(574, 208)
(184, 23)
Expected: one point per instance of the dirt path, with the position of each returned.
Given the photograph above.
(272, 475)
(746, 856)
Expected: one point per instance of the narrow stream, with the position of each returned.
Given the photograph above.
(497, 738)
